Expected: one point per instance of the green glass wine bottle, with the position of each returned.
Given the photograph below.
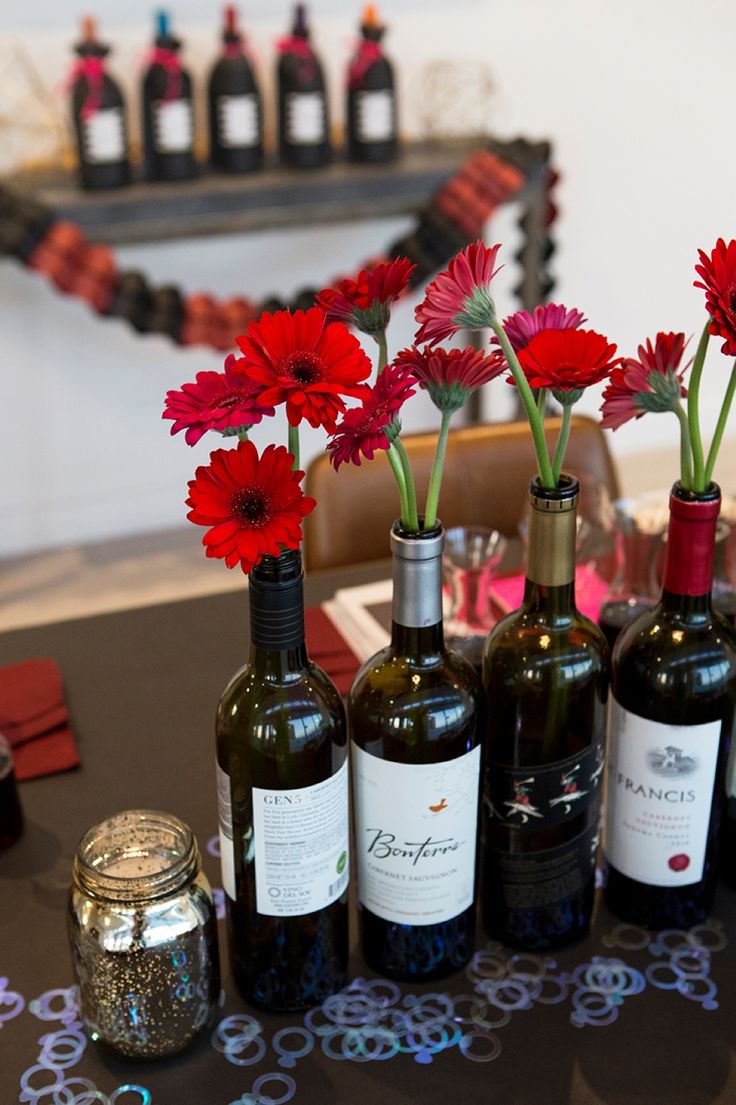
(545, 671)
(415, 713)
(282, 777)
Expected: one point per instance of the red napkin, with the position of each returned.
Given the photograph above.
(329, 649)
(590, 590)
(35, 719)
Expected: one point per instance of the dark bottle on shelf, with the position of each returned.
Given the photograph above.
(545, 671)
(282, 776)
(98, 116)
(303, 116)
(11, 815)
(371, 101)
(235, 106)
(672, 715)
(416, 718)
(168, 118)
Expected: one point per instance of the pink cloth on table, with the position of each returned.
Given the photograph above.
(508, 591)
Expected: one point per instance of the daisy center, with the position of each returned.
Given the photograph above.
(251, 506)
(731, 298)
(303, 367)
(230, 400)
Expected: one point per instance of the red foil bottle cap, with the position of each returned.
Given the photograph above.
(690, 540)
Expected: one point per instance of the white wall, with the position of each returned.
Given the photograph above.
(636, 97)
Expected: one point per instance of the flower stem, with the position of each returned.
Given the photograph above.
(542, 402)
(411, 493)
(294, 445)
(686, 466)
(382, 350)
(243, 433)
(536, 422)
(693, 415)
(721, 426)
(435, 480)
(562, 441)
(395, 462)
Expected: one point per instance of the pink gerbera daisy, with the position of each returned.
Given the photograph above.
(459, 297)
(450, 375)
(654, 382)
(224, 401)
(366, 301)
(374, 425)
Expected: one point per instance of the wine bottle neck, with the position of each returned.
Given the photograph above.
(277, 613)
(688, 573)
(416, 616)
(550, 573)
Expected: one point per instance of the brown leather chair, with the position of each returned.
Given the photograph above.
(487, 473)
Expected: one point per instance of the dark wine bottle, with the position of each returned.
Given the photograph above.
(371, 100)
(416, 717)
(98, 116)
(235, 106)
(283, 805)
(672, 713)
(303, 115)
(168, 120)
(11, 815)
(545, 672)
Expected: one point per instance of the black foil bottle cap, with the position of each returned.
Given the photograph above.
(277, 602)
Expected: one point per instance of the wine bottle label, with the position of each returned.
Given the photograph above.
(543, 796)
(103, 136)
(237, 118)
(301, 846)
(415, 835)
(6, 757)
(375, 116)
(539, 879)
(658, 804)
(305, 118)
(173, 126)
(225, 822)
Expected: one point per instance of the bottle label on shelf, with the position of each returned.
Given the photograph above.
(415, 835)
(104, 136)
(375, 116)
(225, 822)
(539, 797)
(306, 118)
(658, 804)
(540, 879)
(237, 118)
(301, 846)
(173, 122)
(6, 757)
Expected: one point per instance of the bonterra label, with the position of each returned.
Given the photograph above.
(416, 827)
(660, 789)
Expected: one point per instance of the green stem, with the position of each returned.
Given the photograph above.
(435, 480)
(686, 465)
(693, 415)
(562, 441)
(721, 426)
(542, 402)
(294, 446)
(411, 492)
(382, 350)
(395, 462)
(546, 476)
(243, 433)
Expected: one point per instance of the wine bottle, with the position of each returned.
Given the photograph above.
(98, 116)
(303, 115)
(545, 672)
(371, 100)
(168, 121)
(416, 718)
(672, 713)
(11, 815)
(235, 106)
(282, 777)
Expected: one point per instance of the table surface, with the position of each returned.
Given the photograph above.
(141, 686)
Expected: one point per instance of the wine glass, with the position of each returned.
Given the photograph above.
(470, 559)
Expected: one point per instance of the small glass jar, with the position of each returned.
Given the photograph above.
(143, 932)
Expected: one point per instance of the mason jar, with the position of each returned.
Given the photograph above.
(143, 933)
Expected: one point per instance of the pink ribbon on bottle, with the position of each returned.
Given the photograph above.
(367, 52)
(294, 44)
(169, 61)
(92, 71)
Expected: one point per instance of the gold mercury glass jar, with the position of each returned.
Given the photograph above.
(143, 932)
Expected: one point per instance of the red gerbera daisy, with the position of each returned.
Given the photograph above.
(522, 326)
(449, 375)
(458, 298)
(653, 383)
(373, 425)
(223, 401)
(366, 302)
(301, 360)
(567, 361)
(254, 505)
(719, 276)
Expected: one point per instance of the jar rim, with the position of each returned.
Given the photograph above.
(136, 855)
